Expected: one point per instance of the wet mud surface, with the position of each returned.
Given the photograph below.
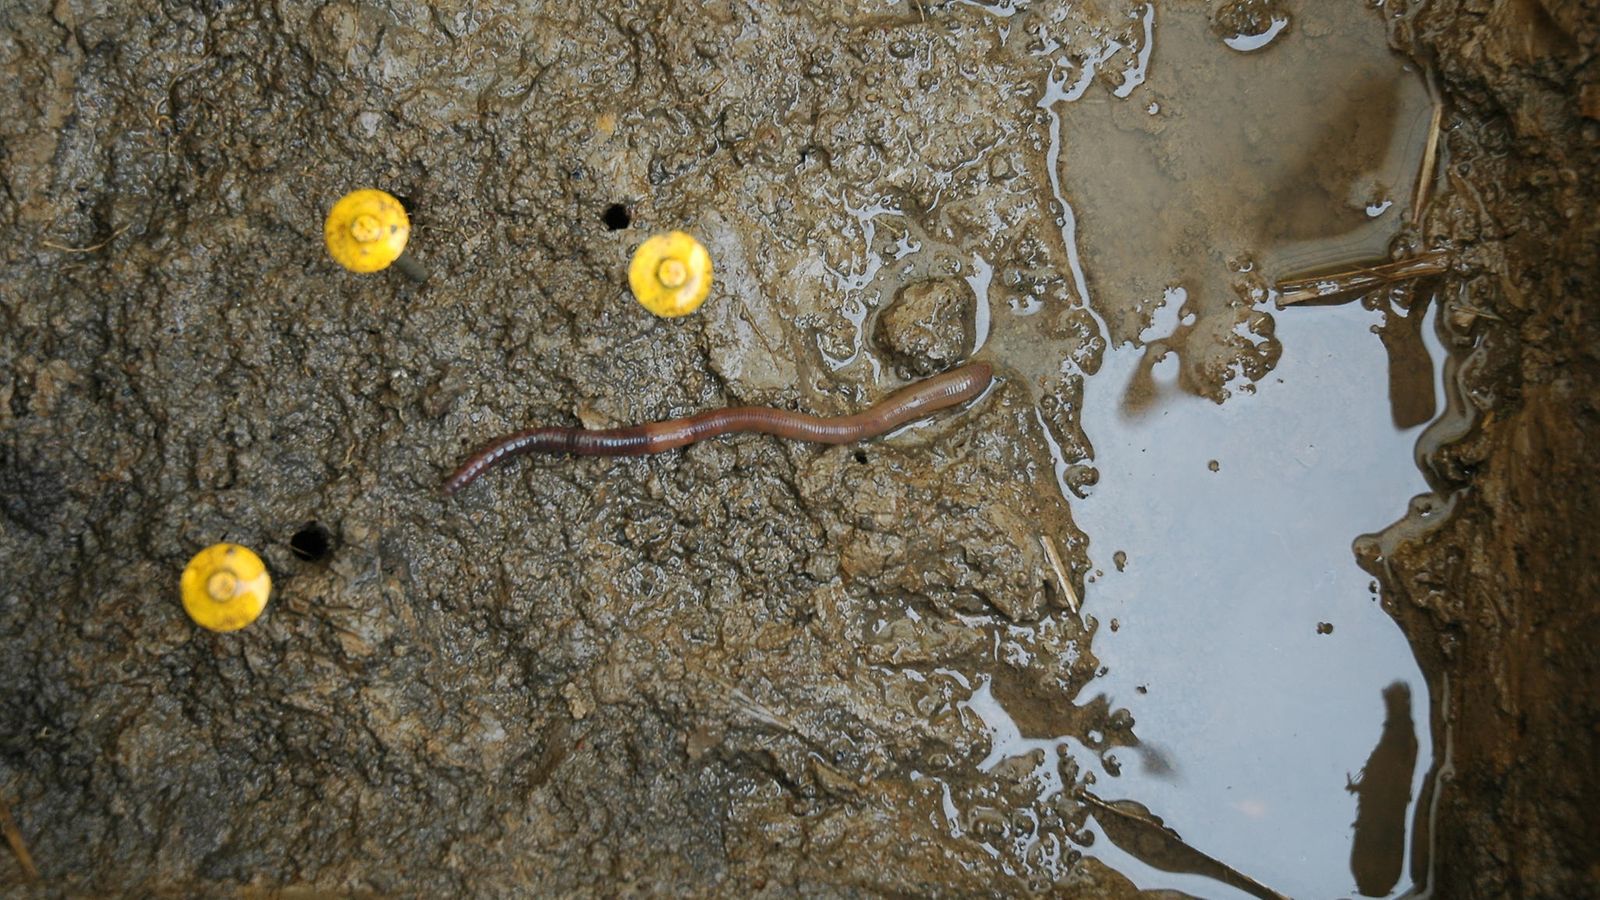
(970, 657)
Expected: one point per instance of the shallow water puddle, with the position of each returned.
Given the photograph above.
(1236, 626)
(1226, 578)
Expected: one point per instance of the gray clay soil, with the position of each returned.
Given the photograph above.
(674, 674)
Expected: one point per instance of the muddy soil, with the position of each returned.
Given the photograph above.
(741, 667)
(1500, 600)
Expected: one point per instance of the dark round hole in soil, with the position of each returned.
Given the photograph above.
(312, 543)
(861, 457)
(616, 217)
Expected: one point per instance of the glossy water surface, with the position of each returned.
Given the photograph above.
(1235, 624)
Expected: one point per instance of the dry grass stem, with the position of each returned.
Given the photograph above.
(66, 249)
(1060, 570)
(18, 846)
(1324, 287)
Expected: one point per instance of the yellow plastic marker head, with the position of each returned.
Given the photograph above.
(225, 587)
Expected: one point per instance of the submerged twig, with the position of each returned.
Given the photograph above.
(1141, 833)
(1056, 565)
(1462, 315)
(18, 846)
(1430, 156)
(1324, 287)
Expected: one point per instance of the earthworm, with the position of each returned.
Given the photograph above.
(910, 402)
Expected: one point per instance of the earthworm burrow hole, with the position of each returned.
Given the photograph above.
(616, 217)
(312, 542)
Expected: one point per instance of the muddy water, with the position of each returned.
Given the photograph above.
(1252, 563)
(1238, 450)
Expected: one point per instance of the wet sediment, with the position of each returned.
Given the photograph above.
(748, 665)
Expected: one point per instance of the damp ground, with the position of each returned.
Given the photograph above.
(1214, 592)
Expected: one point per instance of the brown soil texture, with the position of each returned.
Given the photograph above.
(1500, 602)
(675, 674)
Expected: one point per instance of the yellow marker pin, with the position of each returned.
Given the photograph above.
(367, 230)
(670, 274)
(225, 587)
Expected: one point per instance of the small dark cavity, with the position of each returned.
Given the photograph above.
(312, 543)
(616, 217)
(861, 457)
